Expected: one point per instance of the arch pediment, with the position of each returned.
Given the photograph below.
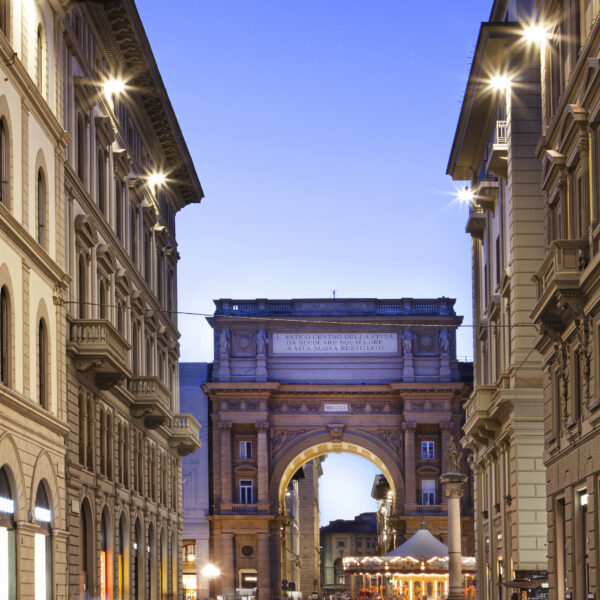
(86, 231)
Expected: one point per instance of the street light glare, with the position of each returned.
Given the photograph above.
(211, 571)
(156, 179)
(500, 82)
(113, 86)
(466, 196)
(536, 33)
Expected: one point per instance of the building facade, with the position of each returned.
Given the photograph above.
(567, 299)
(296, 379)
(195, 474)
(340, 538)
(91, 437)
(33, 274)
(494, 149)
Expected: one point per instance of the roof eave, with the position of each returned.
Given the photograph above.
(493, 37)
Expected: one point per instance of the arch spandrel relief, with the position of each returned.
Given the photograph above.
(298, 379)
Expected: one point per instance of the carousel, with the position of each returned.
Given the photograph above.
(416, 570)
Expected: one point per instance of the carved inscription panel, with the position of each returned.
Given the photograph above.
(334, 343)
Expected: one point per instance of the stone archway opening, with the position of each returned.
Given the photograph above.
(318, 524)
(323, 449)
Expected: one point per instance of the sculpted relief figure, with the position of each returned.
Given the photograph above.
(223, 343)
(444, 342)
(452, 457)
(407, 342)
(260, 342)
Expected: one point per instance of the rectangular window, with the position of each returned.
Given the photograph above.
(246, 491)
(498, 261)
(428, 491)
(246, 449)
(427, 450)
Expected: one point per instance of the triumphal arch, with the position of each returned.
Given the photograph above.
(294, 380)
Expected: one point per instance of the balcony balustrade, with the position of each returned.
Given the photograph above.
(152, 400)
(96, 346)
(558, 275)
(476, 222)
(498, 158)
(487, 193)
(425, 509)
(184, 434)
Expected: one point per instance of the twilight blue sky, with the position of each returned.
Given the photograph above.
(320, 130)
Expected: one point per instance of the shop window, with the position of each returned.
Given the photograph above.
(42, 546)
(7, 539)
(246, 488)
(427, 450)
(246, 449)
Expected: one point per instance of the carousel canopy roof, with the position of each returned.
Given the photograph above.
(422, 551)
(420, 545)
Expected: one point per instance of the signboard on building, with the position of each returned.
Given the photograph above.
(334, 343)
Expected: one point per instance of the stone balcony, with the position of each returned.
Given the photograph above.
(498, 158)
(184, 434)
(96, 346)
(152, 400)
(478, 424)
(487, 193)
(476, 222)
(425, 509)
(559, 277)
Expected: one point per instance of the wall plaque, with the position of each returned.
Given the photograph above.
(334, 343)
(335, 408)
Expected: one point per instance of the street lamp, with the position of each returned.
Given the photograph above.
(211, 572)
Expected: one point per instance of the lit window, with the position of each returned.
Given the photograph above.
(3, 163)
(427, 450)
(245, 449)
(428, 491)
(246, 491)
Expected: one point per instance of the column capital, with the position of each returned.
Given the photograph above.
(262, 426)
(446, 426)
(226, 425)
(409, 426)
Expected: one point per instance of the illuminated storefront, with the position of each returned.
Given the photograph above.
(416, 570)
(42, 546)
(7, 539)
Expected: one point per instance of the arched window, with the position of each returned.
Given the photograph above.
(109, 447)
(123, 560)
(135, 352)
(119, 453)
(90, 434)
(41, 208)
(42, 545)
(8, 564)
(151, 563)
(40, 58)
(4, 336)
(119, 209)
(82, 288)
(82, 429)
(138, 562)
(140, 466)
(42, 365)
(102, 299)
(101, 187)
(3, 160)
(159, 276)
(149, 369)
(102, 443)
(148, 256)
(133, 234)
(125, 456)
(86, 551)
(81, 148)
